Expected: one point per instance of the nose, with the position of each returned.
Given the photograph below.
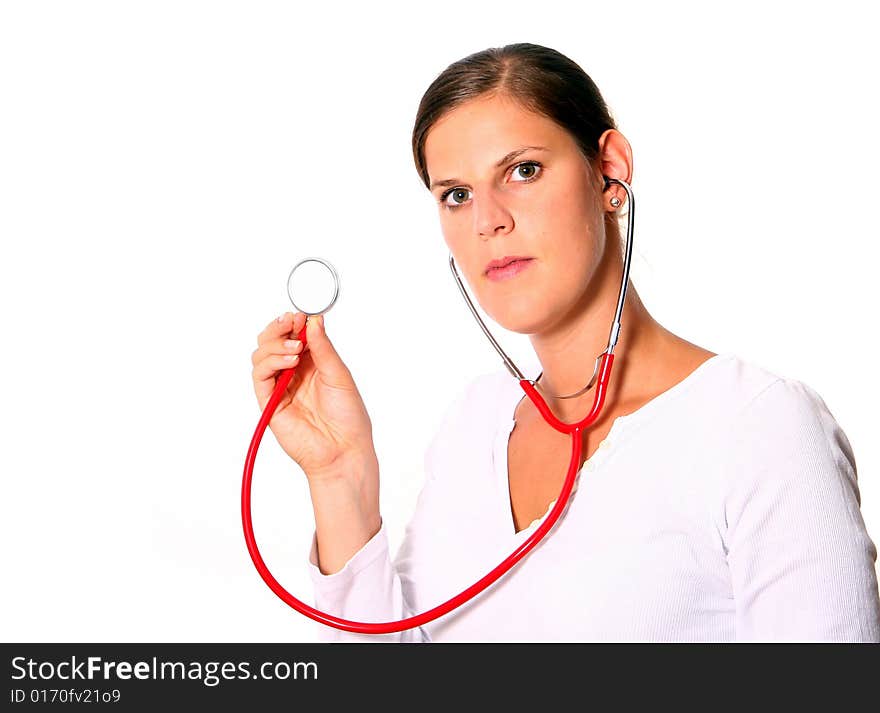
(490, 215)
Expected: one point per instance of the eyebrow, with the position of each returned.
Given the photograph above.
(508, 157)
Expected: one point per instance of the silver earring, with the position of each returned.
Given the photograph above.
(615, 201)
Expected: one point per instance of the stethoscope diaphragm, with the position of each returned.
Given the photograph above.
(316, 285)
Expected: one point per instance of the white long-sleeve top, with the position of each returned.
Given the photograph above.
(725, 509)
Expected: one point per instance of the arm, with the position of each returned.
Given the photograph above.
(801, 560)
(368, 586)
(346, 509)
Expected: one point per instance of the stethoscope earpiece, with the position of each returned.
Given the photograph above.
(615, 201)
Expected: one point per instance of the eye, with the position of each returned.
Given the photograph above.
(534, 168)
(457, 197)
(459, 194)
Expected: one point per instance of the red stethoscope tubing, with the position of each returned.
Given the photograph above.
(359, 627)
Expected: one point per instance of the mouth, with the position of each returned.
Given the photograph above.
(504, 262)
(509, 269)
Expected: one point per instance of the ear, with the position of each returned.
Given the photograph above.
(615, 161)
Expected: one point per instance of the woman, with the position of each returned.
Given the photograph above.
(721, 501)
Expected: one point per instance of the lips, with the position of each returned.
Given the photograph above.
(509, 271)
(504, 261)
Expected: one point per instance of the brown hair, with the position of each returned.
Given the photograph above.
(539, 78)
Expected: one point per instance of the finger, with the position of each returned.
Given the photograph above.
(299, 321)
(278, 346)
(265, 371)
(281, 326)
(324, 355)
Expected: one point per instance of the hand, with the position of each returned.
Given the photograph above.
(321, 421)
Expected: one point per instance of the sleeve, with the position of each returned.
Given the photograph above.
(801, 561)
(368, 588)
(371, 587)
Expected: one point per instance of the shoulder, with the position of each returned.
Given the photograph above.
(772, 427)
(738, 391)
(474, 410)
(775, 403)
(479, 399)
(749, 426)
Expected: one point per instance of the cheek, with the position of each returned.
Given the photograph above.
(451, 232)
(570, 206)
(463, 248)
(569, 227)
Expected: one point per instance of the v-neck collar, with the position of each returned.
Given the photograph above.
(621, 426)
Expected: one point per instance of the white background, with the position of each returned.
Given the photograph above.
(164, 164)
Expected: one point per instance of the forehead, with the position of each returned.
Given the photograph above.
(480, 131)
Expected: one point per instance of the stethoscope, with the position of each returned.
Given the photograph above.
(602, 370)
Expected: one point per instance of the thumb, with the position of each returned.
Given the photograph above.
(324, 355)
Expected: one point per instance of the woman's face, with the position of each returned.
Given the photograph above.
(541, 203)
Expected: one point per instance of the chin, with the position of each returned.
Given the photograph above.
(522, 314)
